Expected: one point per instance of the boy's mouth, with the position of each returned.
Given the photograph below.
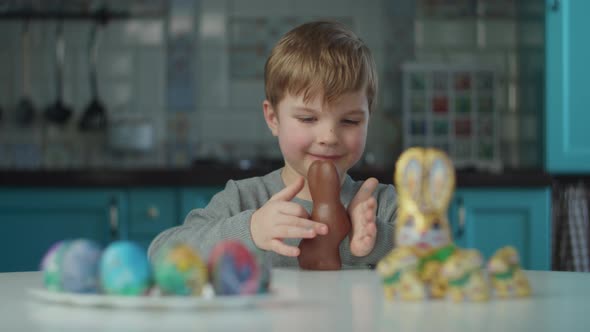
(325, 157)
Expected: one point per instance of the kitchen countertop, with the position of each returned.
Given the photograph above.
(218, 175)
(350, 300)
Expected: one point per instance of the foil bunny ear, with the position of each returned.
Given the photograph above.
(409, 176)
(426, 178)
(440, 180)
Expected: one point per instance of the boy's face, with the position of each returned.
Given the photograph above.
(310, 131)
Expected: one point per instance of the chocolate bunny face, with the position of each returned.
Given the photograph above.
(425, 180)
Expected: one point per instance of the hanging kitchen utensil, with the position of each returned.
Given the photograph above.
(94, 117)
(59, 113)
(25, 109)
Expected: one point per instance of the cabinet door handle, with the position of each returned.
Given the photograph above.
(555, 5)
(153, 212)
(114, 219)
(460, 219)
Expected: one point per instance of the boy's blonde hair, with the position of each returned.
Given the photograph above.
(320, 57)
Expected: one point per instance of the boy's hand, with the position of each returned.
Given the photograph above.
(280, 218)
(362, 211)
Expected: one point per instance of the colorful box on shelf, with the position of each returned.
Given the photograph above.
(451, 107)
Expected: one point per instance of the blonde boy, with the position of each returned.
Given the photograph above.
(320, 85)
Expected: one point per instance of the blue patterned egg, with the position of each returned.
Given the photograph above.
(51, 265)
(125, 269)
(179, 270)
(79, 267)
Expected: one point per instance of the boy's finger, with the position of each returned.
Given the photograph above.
(281, 248)
(290, 232)
(318, 227)
(370, 204)
(371, 229)
(290, 191)
(369, 216)
(365, 192)
(294, 209)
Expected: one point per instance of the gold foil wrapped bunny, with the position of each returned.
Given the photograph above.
(400, 275)
(424, 250)
(465, 276)
(506, 275)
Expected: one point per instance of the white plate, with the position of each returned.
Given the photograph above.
(159, 302)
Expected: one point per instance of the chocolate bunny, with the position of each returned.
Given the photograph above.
(322, 252)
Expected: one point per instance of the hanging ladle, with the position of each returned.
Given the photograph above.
(58, 112)
(94, 117)
(25, 110)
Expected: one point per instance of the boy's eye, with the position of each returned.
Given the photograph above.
(351, 122)
(306, 119)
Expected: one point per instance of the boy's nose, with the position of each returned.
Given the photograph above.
(327, 135)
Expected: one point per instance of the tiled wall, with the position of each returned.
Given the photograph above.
(231, 96)
(226, 119)
(131, 76)
(508, 35)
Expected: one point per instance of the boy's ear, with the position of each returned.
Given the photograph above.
(271, 117)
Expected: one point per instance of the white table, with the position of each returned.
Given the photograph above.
(326, 301)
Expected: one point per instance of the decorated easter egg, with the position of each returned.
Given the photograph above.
(51, 265)
(265, 265)
(233, 269)
(125, 269)
(79, 267)
(179, 270)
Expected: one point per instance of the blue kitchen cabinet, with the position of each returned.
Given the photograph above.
(151, 210)
(488, 219)
(32, 219)
(568, 77)
(195, 198)
(155, 210)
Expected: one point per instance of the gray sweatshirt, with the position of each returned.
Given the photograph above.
(228, 214)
